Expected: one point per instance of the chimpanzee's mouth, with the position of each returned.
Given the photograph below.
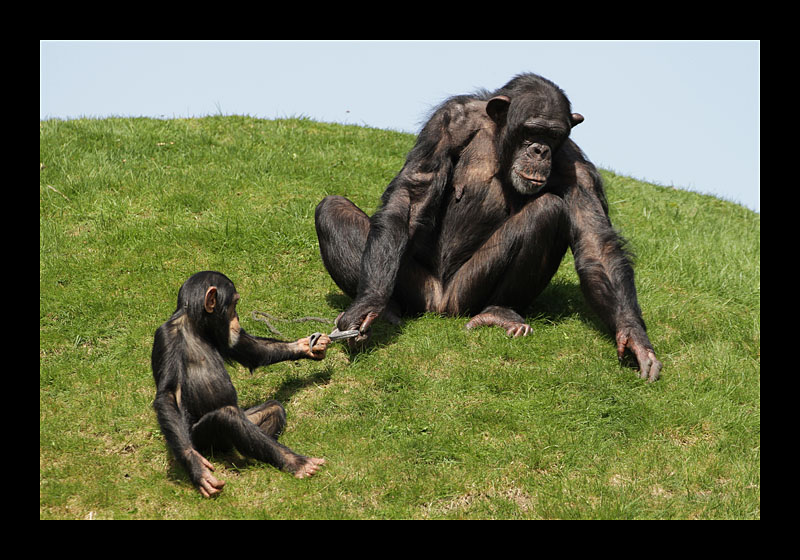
(535, 179)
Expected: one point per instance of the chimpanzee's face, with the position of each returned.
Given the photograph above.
(535, 142)
(533, 126)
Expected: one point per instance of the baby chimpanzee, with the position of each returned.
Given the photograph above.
(196, 402)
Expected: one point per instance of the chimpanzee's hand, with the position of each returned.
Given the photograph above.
(319, 349)
(208, 485)
(351, 320)
(635, 340)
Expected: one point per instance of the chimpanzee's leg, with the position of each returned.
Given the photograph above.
(230, 424)
(514, 265)
(342, 230)
(511, 268)
(270, 417)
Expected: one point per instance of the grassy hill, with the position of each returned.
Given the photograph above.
(432, 421)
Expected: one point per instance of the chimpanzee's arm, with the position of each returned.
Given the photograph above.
(603, 266)
(386, 243)
(410, 201)
(255, 351)
(168, 370)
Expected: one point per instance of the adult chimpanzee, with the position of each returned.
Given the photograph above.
(196, 402)
(479, 218)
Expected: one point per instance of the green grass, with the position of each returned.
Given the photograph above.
(432, 421)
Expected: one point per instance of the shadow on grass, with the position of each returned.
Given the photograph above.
(559, 301)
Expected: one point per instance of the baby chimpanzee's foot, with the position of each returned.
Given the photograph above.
(309, 466)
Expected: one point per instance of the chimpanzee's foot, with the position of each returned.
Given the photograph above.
(309, 467)
(502, 317)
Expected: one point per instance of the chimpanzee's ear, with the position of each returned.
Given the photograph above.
(497, 107)
(210, 301)
(575, 119)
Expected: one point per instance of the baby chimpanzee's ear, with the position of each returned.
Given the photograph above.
(210, 301)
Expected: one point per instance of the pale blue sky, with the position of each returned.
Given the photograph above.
(683, 114)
